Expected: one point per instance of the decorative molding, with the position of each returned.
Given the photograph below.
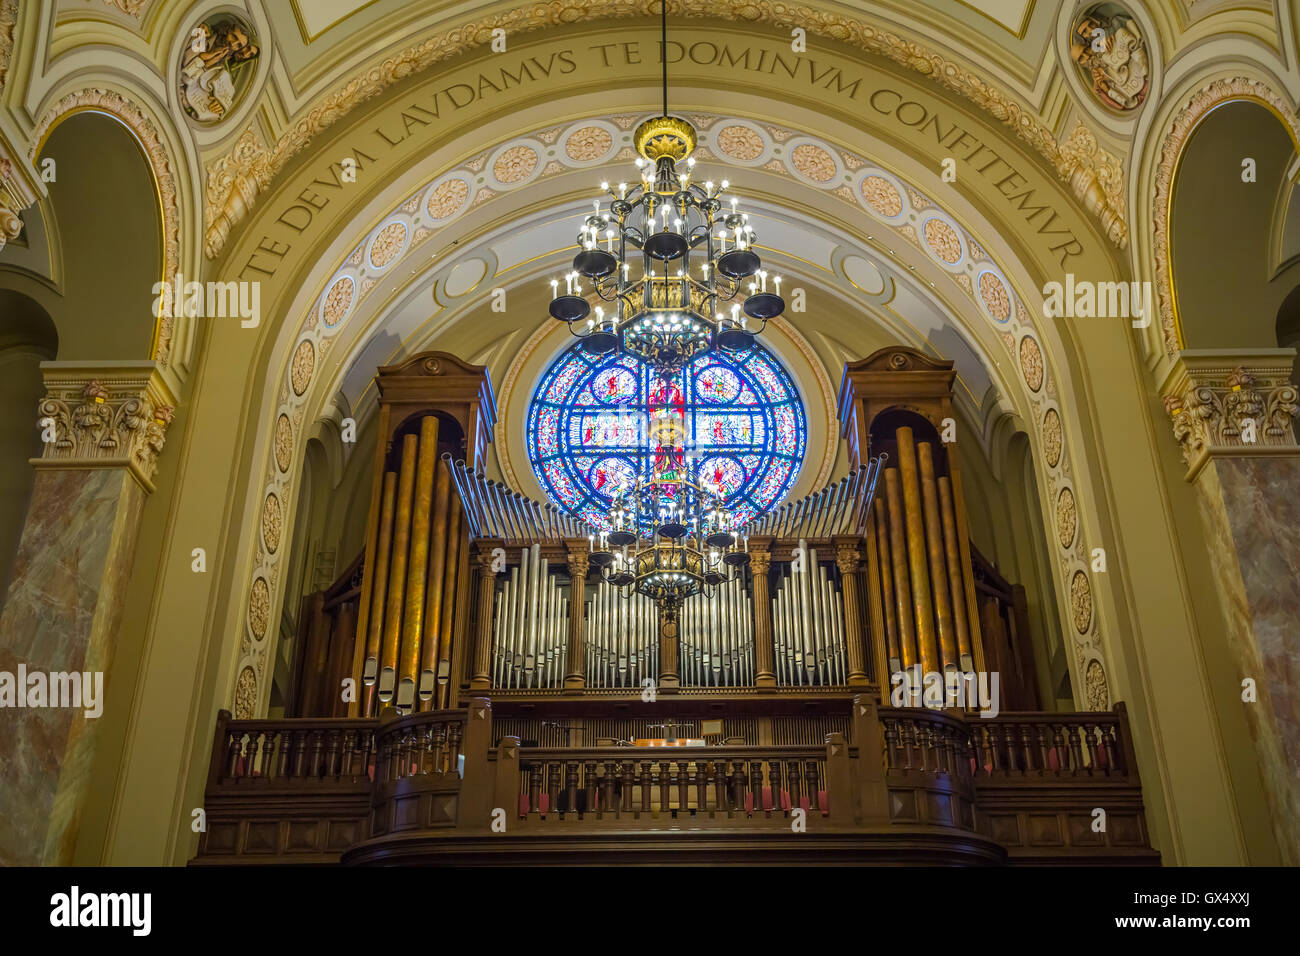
(110, 416)
(146, 133)
(134, 8)
(15, 196)
(8, 23)
(1198, 104)
(1217, 400)
(235, 180)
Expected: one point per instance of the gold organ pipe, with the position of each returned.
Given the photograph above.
(374, 639)
(397, 568)
(934, 547)
(888, 603)
(898, 560)
(448, 601)
(436, 598)
(920, 576)
(414, 622)
(949, 516)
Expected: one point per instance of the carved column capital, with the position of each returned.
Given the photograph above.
(760, 562)
(847, 558)
(1231, 403)
(578, 564)
(102, 416)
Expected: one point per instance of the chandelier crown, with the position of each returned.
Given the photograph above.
(663, 137)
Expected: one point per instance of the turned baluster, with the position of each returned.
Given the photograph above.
(756, 784)
(1026, 747)
(254, 748)
(347, 754)
(535, 788)
(330, 763)
(814, 790)
(1089, 730)
(774, 782)
(702, 786)
(891, 743)
(719, 785)
(553, 786)
(645, 787)
(995, 750)
(1044, 735)
(367, 746)
(977, 746)
(738, 784)
(925, 740)
(1108, 741)
(588, 786)
(1058, 745)
(625, 769)
(607, 772)
(571, 786)
(907, 736)
(234, 744)
(665, 787)
(1076, 750)
(683, 784)
(793, 785)
(455, 732)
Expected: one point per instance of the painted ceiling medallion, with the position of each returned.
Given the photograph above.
(1106, 45)
(217, 67)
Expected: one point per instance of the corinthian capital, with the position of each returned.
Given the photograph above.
(1231, 403)
(96, 416)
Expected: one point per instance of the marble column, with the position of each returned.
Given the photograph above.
(1232, 414)
(104, 426)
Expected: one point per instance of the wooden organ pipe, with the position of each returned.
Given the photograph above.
(957, 575)
(414, 620)
(450, 582)
(898, 564)
(374, 637)
(938, 560)
(809, 630)
(888, 608)
(922, 593)
(438, 594)
(397, 571)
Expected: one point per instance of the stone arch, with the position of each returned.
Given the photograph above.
(1197, 104)
(142, 126)
(329, 298)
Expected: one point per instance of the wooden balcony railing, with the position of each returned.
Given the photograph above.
(941, 785)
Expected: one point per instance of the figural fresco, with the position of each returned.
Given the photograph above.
(217, 67)
(1106, 45)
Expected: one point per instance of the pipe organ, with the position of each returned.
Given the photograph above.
(470, 587)
(808, 623)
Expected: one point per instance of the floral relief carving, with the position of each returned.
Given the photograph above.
(588, 144)
(739, 142)
(1219, 409)
(94, 420)
(246, 694)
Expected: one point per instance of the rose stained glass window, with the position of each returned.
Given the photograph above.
(588, 428)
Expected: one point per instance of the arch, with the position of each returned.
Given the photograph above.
(994, 304)
(1198, 104)
(142, 127)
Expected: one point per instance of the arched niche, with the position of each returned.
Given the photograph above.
(1234, 169)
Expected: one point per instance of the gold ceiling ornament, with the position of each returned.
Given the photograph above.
(665, 136)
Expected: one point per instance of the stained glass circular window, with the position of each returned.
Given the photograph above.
(588, 428)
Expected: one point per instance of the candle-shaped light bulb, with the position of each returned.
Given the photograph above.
(740, 242)
(555, 288)
(735, 314)
(691, 162)
(762, 277)
(753, 287)
(677, 226)
(622, 190)
(600, 315)
(705, 267)
(733, 205)
(626, 267)
(722, 239)
(709, 185)
(777, 281)
(605, 186)
(639, 162)
(725, 184)
(591, 542)
(609, 241)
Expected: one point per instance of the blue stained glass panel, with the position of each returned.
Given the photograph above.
(587, 425)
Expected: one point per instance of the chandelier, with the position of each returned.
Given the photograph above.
(673, 260)
(672, 257)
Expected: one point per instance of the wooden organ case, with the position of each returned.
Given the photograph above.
(504, 684)
(469, 588)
